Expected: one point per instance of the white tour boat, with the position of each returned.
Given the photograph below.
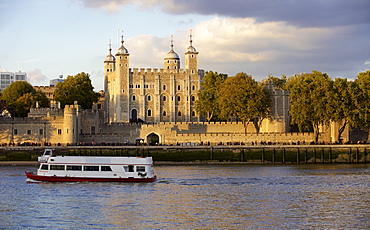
(93, 169)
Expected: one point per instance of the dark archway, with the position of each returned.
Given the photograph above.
(152, 139)
(134, 115)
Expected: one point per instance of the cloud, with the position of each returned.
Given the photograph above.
(303, 13)
(232, 45)
(35, 77)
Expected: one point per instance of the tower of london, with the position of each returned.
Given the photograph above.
(151, 95)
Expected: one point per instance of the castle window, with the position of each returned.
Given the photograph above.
(175, 67)
(168, 61)
(192, 55)
(164, 113)
(193, 113)
(29, 132)
(149, 98)
(179, 113)
(164, 87)
(149, 113)
(137, 86)
(133, 98)
(145, 86)
(164, 98)
(123, 91)
(192, 98)
(178, 87)
(15, 131)
(41, 131)
(131, 86)
(178, 98)
(168, 67)
(59, 131)
(193, 87)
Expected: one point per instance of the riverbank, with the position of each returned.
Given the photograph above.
(185, 155)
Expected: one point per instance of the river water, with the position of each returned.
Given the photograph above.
(195, 196)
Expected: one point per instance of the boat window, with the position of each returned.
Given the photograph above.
(91, 168)
(131, 168)
(44, 167)
(140, 168)
(74, 167)
(106, 168)
(47, 152)
(125, 168)
(56, 167)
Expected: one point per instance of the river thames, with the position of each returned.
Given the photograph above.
(195, 196)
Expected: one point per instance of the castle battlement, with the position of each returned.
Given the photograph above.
(138, 71)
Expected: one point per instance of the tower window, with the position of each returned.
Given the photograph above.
(164, 98)
(133, 98)
(193, 113)
(192, 98)
(178, 87)
(193, 87)
(149, 113)
(178, 98)
(164, 113)
(179, 113)
(149, 98)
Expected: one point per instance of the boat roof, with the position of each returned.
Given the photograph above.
(99, 160)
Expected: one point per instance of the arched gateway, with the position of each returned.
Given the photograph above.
(152, 139)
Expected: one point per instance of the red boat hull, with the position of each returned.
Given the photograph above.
(86, 179)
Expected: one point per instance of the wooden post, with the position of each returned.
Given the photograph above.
(273, 156)
(211, 153)
(305, 156)
(322, 155)
(298, 156)
(284, 156)
(364, 155)
(263, 155)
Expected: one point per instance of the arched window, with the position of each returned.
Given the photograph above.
(193, 87)
(149, 113)
(193, 113)
(164, 98)
(149, 97)
(164, 87)
(133, 98)
(179, 113)
(192, 98)
(178, 98)
(178, 87)
(164, 113)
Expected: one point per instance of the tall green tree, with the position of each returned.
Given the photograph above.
(311, 97)
(21, 96)
(206, 103)
(362, 103)
(343, 104)
(15, 91)
(76, 88)
(244, 98)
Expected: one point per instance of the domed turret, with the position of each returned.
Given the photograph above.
(110, 57)
(172, 59)
(122, 49)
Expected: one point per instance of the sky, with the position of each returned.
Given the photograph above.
(48, 38)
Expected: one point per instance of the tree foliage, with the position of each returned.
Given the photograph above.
(244, 98)
(21, 96)
(343, 104)
(310, 101)
(207, 104)
(76, 88)
(362, 102)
